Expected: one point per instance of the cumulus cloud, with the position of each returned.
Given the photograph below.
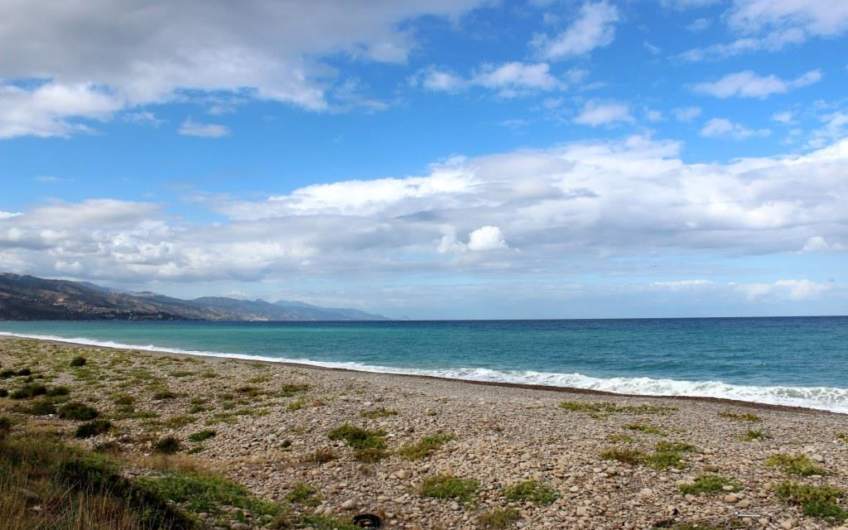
(724, 128)
(507, 79)
(748, 84)
(596, 113)
(794, 289)
(86, 60)
(189, 127)
(629, 198)
(686, 114)
(593, 28)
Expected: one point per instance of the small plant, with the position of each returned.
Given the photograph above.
(843, 436)
(602, 409)
(123, 400)
(620, 438)
(321, 455)
(58, 391)
(531, 491)
(296, 405)
(815, 501)
(800, 465)
(303, 494)
(24, 372)
(752, 435)
(381, 412)
(425, 447)
(668, 454)
(358, 438)
(498, 519)
(167, 445)
(644, 428)
(625, 456)
(93, 428)
(78, 361)
(163, 395)
(370, 455)
(247, 390)
(290, 389)
(325, 522)
(6, 374)
(77, 411)
(450, 487)
(42, 407)
(737, 416)
(29, 390)
(201, 436)
(709, 484)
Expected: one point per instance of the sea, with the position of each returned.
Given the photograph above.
(798, 361)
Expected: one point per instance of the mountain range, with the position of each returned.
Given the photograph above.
(32, 298)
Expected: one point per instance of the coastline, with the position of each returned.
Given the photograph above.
(604, 461)
(528, 386)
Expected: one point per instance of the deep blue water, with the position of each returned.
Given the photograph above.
(802, 361)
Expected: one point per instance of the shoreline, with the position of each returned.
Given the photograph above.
(505, 384)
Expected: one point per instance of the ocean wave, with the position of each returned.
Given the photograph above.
(821, 398)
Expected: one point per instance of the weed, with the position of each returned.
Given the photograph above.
(795, 465)
(668, 454)
(58, 391)
(78, 361)
(77, 411)
(755, 434)
(602, 409)
(358, 438)
(709, 484)
(815, 501)
(296, 405)
(321, 455)
(370, 455)
(625, 456)
(644, 428)
(498, 519)
(164, 394)
(426, 446)
(201, 436)
(450, 487)
(290, 389)
(29, 390)
(324, 522)
(737, 416)
(42, 407)
(4, 393)
(381, 412)
(93, 428)
(531, 491)
(303, 494)
(620, 438)
(167, 445)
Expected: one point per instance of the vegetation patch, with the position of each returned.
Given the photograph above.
(77, 411)
(601, 409)
(531, 491)
(324, 522)
(93, 428)
(445, 486)
(815, 501)
(425, 447)
(668, 454)
(800, 465)
(41, 407)
(359, 438)
(620, 438)
(58, 391)
(381, 412)
(709, 484)
(498, 519)
(291, 389)
(740, 416)
(321, 455)
(370, 455)
(167, 445)
(296, 405)
(201, 436)
(625, 456)
(4, 393)
(163, 395)
(29, 391)
(644, 428)
(78, 361)
(753, 435)
(303, 494)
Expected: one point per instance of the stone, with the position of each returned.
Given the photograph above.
(349, 504)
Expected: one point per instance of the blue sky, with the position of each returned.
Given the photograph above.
(459, 159)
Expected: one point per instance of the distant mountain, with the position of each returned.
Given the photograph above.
(31, 298)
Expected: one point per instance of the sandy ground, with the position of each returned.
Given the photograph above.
(270, 420)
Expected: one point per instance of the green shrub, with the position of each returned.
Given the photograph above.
(645, 428)
(24, 372)
(42, 407)
(93, 428)
(322, 455)
(325, 522)
(77, 411)
(625, 456)
(78, 361)
(58, 391)
(303, 494)
(709, 484)
(201, 436)
(815, 501)
(29, 390)
(290, 389)
(167, 445)
(795, 465)
(449, 487)
(381, 412)
(163, 395)
(531, 491)
(359, 438)
(755, 434)
(498, 519)
(737, 416)
(6, 374)
(426, 446)
(4, 393)
(370, 454)
(668, 454)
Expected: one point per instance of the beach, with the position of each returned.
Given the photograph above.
(429, 453)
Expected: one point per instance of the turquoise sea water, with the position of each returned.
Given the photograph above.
(794, 361)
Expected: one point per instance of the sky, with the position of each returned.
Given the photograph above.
(434, 159)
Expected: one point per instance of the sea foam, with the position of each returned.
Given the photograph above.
(818, 397)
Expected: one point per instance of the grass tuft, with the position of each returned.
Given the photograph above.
(740, 416)
(358, 438)
(800, 465)
(602, 409)
(498, 519)
(167, 445)
(381, 412)
(425, 447)
(201, 436)
(709, 484)
(93, 428)
(77, 411)
(445, 486)
(815, 501)
(78, 361)
(29, 390)
(303, 494)
(531, 491)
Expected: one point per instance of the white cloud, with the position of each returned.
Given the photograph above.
(724, 128)
(595, 113)
(593, 28)
(561, 207)
(748, 84)
(687, 4)
(103, 56)
(8, 215)
(699, 24)
(795, 289)
(189, 127)
(486, 238)
(686, 114)
(680, 285)
(507, 79)
(785, 117)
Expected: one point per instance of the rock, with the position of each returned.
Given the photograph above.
(818, 458)
(787, 524)
(646, 492)
(744, 503)
(731, 498)
(574, 489)
(349, 504)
